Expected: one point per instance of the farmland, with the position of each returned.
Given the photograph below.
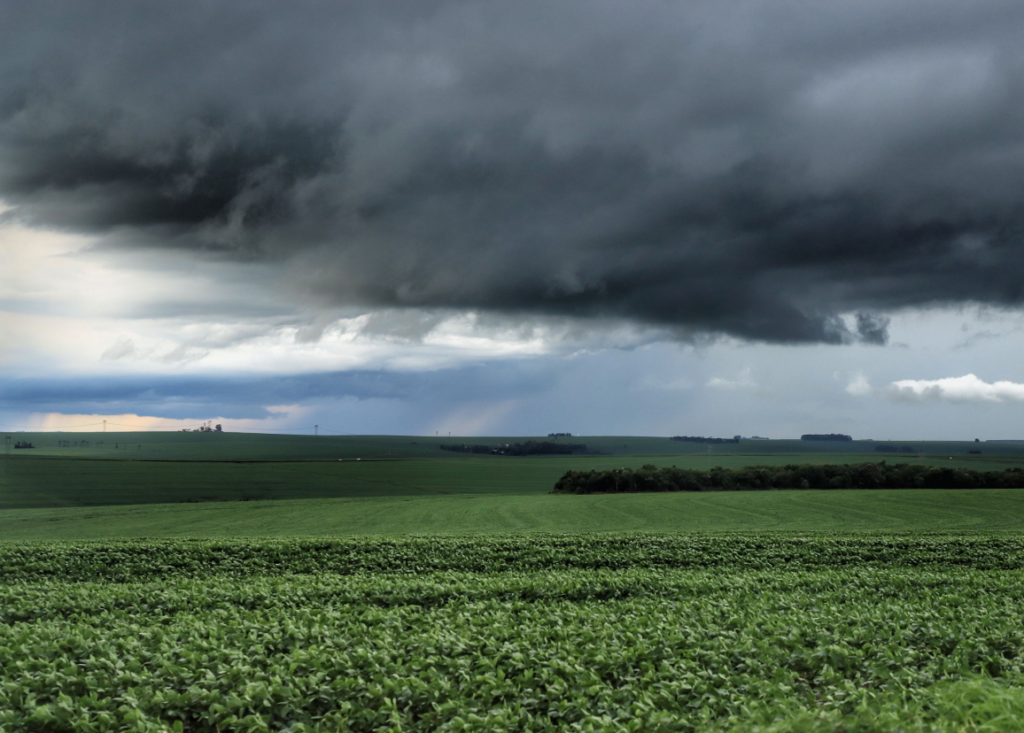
(262, 447)
(222, 485)
(620, 632)
(108, 469)
(778, 511)
(280, 584)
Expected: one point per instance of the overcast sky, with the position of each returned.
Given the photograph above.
(646, 217)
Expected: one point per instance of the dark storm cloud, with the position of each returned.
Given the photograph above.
(747, 168)
(873, 329)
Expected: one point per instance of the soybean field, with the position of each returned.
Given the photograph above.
(259, 583)
(555, 633)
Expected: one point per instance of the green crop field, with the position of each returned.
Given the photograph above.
(261, 447)
(106, 469)
(562, 633)
(923, 510)
(39, 481)
(381, 584)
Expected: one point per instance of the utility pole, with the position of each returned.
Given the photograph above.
(7, 444)
(104, 426)
(316, 430)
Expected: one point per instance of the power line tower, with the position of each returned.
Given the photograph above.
(104, 426)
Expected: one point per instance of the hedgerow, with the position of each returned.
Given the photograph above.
(881, 475)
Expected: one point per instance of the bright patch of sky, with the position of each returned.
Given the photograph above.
(72, 314)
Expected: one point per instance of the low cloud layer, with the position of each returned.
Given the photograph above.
(967, 388)
(758, 170)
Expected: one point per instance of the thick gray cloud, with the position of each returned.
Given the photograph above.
(745, 168)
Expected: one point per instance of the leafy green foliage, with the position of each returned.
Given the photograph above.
(792, 476)
(970, 705)
(626, 632)
(127, 561)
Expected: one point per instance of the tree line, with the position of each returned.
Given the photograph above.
(699, 439)
(650, 478)
(529, 448)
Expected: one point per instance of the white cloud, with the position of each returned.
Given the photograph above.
(70, 308)
(967, 388)
(119, 349)
(859, 386)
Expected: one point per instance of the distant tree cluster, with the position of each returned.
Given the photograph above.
(470, 448)
(202, 429)
(829, 436)
(529, 448)
(895, 449)
(709, 441)
(559, 435)
(23, 444)
(649, 478)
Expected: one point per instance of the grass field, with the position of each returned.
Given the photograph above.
(261, 447)
(204, 467)
(921, 510)
(55, 482)
(176, 484)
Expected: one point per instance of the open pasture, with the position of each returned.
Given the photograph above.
(31, 481)
(262, 447)
(117, 469)
(229, 446)
(922, 510)
(209, 484)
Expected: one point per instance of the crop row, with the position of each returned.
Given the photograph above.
(646, 648)
(142, 560)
